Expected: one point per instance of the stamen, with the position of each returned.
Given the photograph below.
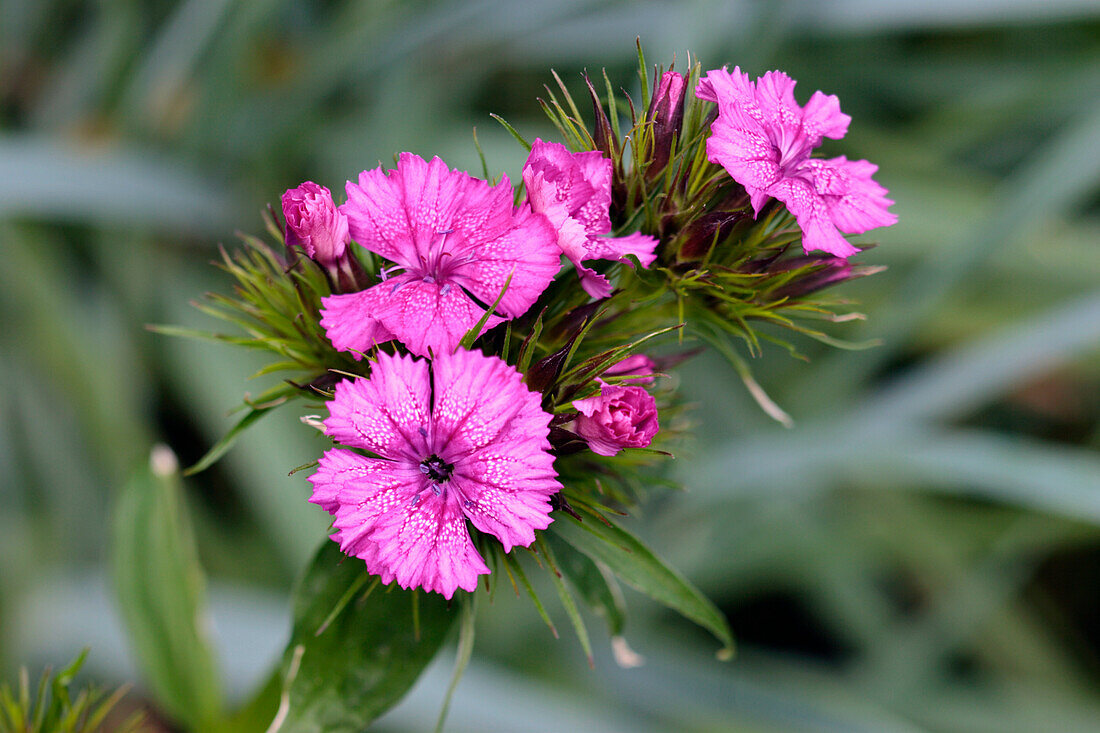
(436, 469)
(384, 273)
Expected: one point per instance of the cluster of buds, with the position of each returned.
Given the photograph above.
(474, 385)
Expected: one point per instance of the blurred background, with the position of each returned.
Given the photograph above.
(921, 552)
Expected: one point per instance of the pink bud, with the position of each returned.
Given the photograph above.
(617, 417)
(666, 113)
(639, 368)
(666, 108)
(315, 224)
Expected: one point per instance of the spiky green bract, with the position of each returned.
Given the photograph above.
(52, 707)
(274, 307)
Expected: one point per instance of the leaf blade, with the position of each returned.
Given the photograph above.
(637, 566)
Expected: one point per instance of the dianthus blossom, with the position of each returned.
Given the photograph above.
(461, 439)
(764, 139)
(573, 191)
(456, 240)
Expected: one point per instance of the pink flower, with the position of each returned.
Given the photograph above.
(638, 367)
(764, 139)
(617, 417)
(573, 191)
(456, 238)
(462, 440)
(314, 223)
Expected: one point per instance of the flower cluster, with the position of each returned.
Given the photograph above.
(457, 436)
(477, 390)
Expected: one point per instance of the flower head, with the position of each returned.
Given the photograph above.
(314, 223)
(573, 191)
(617, 417)
(764, 139)
(463, 439)
(456, 240)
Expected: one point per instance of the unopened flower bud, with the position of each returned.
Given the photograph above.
(315, 225)
(638, 369)
(617, 417)
(700, 236)
(833, 270)
(666, 113)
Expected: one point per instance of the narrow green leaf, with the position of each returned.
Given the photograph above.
(567, 601)
(470, 336)
(526, 349)
(160, 587)
(365, 659)
(766, 403)
(515, 569)
(512, 130)
(637, 566)
(481, 157)
(594, 581)
(222, 446)
(466, 631)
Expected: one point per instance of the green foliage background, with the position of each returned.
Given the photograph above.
(920, 552)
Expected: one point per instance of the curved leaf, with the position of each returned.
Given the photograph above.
(639, 568)
(343, 670)
(161, 593)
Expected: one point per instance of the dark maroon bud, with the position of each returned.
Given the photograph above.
(666, 115)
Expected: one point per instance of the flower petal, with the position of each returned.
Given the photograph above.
(387, 414)
(359, 491)
(855, 201)
(525, 250)
(812, 213)
(427, 316)
(422, 543)
(512, 507)
(345, 477)
(480, 400)
(376, 217)
(349, 320)
(640, 245)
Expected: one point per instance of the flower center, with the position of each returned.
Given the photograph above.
(436, 469)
